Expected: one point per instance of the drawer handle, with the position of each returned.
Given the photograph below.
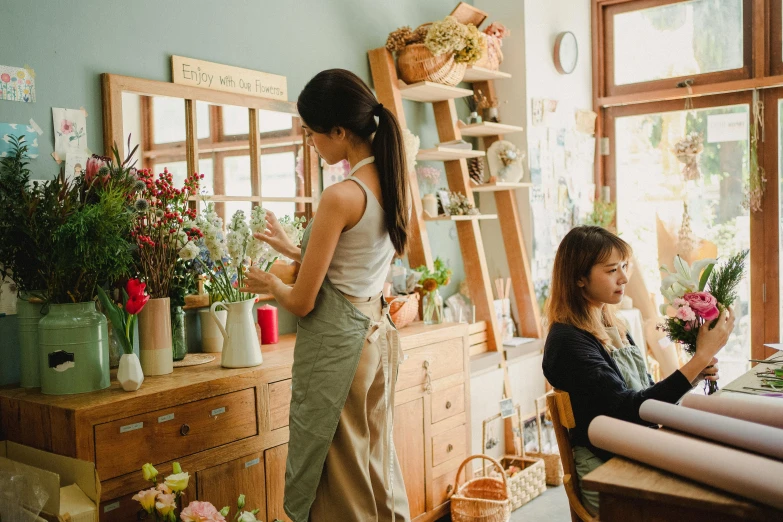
(427, 377)
(448, 405)
(185, 429)
(449, 448)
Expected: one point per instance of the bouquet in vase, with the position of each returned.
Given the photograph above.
(226, 257)
(431, 281)
(697, 295)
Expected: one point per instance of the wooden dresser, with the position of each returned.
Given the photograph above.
(229, 427)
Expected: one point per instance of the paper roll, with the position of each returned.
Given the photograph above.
(753, 408)
(735, 432)
(729, 469)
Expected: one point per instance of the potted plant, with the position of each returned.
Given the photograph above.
(159, 232)
(431, 281)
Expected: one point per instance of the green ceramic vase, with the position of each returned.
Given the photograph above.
(73, 342)
(27, 316)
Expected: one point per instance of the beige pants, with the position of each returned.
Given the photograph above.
(353, 484)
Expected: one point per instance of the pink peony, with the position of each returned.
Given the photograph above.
(201, 512)
(703, 304)
(685, 313)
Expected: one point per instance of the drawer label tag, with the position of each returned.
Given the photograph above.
(164, 418)
(131, 427)
(111, 507)
(252, 462)
(218, 411)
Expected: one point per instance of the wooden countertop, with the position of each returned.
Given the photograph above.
(278, 359)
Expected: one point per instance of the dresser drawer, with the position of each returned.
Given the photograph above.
(448, 445)
(123, 446)
(447, 403)
(440, 360)
(442, 489)
(279, 403)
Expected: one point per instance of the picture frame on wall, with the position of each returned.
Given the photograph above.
(444, 200)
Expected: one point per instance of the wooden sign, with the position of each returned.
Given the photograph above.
(209, 75)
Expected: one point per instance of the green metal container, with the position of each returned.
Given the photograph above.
(27, 316)
(73, 342)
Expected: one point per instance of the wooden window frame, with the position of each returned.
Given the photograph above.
(774, 28)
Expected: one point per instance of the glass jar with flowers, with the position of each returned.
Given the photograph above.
(226, 258)
(431, 281)
(183, 283)
(160, 233)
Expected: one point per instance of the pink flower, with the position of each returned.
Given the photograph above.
(5, 77)
(201, 512)
(147, 499)
(166, 504)
(685, 313)
(66, 127)
(703, 304)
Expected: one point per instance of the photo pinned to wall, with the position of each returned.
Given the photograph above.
(585, 121)
(336, 173)
(75, 163)
(29, 132)
(537, 111)
(17, 83)
(70, 131)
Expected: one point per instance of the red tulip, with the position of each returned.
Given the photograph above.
(135, 304)
(135, 288)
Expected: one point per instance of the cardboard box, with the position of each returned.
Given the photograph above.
(73, 485)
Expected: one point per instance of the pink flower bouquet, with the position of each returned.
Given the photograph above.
(696, 295)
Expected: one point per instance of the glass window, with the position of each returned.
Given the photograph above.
(168, 120)
(236, 176)
(202, 120)
(235, 121)
(652, 195)
(232, 206)
(681, 39)
(279, 178)
(270, 121)
(179, 169)
(280, 208)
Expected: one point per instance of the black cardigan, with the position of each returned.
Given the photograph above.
(576, 362)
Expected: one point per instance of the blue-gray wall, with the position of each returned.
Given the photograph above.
(70, 43)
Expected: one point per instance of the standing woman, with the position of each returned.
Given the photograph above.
(341, 461)
(589, 354)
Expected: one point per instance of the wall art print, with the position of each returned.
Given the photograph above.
(17, 84)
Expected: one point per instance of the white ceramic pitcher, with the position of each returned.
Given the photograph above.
(240, 340)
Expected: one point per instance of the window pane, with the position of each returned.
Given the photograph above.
(202, 120)
(236, 176)
(168, 120)
(696, 37)
(652, 193)
(269, 121)
(279, 178)
(178, 170)
(233, 206)
(279, 208)
(235, 121)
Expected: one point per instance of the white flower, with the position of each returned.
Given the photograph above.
(247, 516)
(683, 280)
(189, 251)
(411, 143)
(237, 236)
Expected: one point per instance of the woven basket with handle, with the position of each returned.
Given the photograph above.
(481, 499)
(418, 64)
(403, 309)
(552, 462)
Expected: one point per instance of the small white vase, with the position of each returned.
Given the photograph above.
(240, 339)
(211, 338)
(129, 373)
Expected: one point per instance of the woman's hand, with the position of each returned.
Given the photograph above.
(710, 373)
(259, 282)
(275, 236)
(711, 340)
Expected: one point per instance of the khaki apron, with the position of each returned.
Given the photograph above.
(330, 342)
(630, 361)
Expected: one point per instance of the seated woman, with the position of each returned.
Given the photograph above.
(588, 352)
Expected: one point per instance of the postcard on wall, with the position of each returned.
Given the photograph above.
(585, 121)
(75, 163)
(28, 132)
(70, 131)
(537, 111)
(17, 84)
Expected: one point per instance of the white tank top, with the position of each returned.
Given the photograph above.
(363, 254)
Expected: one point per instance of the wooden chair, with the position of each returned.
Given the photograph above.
(559, 405)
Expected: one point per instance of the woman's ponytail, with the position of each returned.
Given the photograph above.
(389, 150)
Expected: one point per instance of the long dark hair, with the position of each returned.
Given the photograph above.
(339, 98)
(581, 249)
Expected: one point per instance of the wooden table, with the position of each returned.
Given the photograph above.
(631, 491)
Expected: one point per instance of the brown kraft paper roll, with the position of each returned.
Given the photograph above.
(753, 408)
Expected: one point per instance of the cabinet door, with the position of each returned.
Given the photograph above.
(409, 443)
(221, 485)
(274, 459)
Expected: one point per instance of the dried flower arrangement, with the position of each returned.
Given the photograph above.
(757, 181)
(687, 151)
(467, 43)
(460, 205)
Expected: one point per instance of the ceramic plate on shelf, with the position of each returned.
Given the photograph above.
(511, 174)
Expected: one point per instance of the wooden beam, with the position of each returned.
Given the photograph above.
(255, 153)
(112, 116)
(191, 149)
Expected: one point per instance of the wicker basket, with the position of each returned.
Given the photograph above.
(403, 309)
(418, 64)
(552, 461)
(481, 499)
(493, 57)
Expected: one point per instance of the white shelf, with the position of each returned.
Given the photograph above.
(498, 186)
(488, 128)
(431, 92)
(448, 154)
(473, 217)
(479, 74)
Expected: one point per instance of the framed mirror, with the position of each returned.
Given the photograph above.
(251, 150)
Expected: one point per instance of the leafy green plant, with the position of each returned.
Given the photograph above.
(602, 214)
(431, 280)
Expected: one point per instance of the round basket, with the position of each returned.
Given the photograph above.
(403, 309)
(493, 56)
(418, 64)
(482, 499)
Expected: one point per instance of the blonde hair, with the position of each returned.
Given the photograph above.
(581, 249)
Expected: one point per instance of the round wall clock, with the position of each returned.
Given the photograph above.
(566, 52)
